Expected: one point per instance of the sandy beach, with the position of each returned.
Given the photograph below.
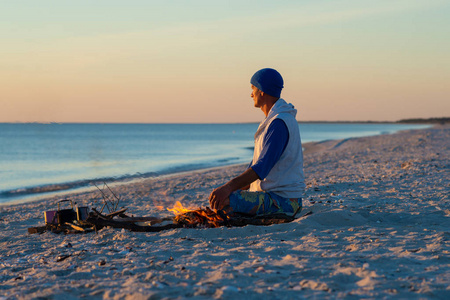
(379, 228)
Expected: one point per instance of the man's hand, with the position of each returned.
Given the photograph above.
(219, 198)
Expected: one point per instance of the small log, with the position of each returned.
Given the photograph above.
(116, 213)
(100, 223)
(108, 216)
(63, 257)
(142, 219)
(39, 229)
(307, 214)
(78, 228)
(145, 220)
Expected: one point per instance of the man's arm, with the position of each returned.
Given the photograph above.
(219, 198)
(274, 144)
(275, 141)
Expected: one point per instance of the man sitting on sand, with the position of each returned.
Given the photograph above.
(274, 180)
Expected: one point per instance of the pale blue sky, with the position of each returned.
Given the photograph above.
(191, 61)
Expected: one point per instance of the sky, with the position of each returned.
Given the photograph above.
(191, 61)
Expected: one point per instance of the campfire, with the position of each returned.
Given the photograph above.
(184, 218)
(204, 217)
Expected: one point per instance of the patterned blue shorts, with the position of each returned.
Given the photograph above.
(263, 203)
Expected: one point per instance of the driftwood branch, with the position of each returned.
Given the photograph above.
(179, 222)
(100, 223)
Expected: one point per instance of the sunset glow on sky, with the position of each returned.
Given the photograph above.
(191, 61)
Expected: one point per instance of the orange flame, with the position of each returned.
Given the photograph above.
(197, 216)
(179, 209)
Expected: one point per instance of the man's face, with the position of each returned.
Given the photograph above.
(256, 95)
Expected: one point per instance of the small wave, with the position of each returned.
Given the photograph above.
(50, 188)
(43, 189)
(225, 160)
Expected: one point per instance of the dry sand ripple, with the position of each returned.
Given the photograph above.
(379, 229)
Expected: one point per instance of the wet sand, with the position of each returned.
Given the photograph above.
(379, 228)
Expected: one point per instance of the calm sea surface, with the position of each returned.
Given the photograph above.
(41, 158)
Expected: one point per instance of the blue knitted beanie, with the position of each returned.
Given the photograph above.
(269, 81)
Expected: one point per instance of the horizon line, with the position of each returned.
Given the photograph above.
(445, 119)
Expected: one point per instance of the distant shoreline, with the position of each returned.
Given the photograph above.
(443, 120)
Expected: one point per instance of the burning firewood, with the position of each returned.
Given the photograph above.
(204, 217)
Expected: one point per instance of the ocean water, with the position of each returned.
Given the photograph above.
(37, 159)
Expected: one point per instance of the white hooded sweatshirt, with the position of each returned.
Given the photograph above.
(286, 178)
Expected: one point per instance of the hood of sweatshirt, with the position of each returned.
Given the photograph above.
(280, 107)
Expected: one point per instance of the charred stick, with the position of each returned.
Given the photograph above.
(100, 223)
(116, 213)
(103, 207)
(98, 214)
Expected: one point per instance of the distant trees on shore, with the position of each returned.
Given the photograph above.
(426, 121)
(443, 120)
